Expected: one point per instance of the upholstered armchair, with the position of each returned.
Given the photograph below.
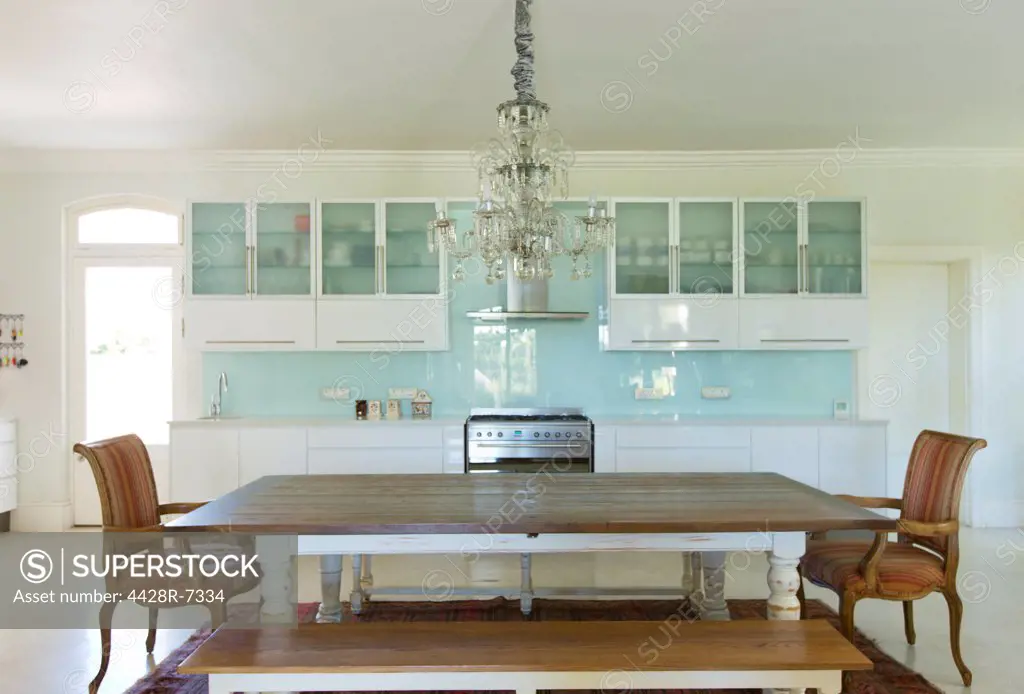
(129, 503)
(925, 555)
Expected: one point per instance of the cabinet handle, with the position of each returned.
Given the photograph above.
(809, 339)
(252, 254)
(671, 341)
(380, 269)
(250, 342)
(801, 275)
(377, 342)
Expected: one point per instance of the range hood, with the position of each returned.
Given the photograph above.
(525, 300)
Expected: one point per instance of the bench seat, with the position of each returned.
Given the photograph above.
(526, 656)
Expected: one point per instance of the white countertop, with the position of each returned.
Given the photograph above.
(599, 420)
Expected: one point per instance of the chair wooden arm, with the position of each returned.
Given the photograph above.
(924, 529)
(179, 507)
(872, 501)
(869, 564)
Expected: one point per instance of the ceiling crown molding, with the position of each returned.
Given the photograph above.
(168, 161)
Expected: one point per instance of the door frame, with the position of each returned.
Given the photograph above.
(965, 262)
(76, 258)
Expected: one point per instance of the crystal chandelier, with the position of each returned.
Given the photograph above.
(521, 172)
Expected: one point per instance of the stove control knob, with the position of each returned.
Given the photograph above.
(547, 434)
(558, 434)
(579, 434)
(500, 434)
(568, 434)
(536, 434)
(479, 433)
(489, 434)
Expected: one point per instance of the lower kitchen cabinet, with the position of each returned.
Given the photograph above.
(670, 448)
(376, 449)
(706, 323)
(204, 463)
(852, 460)
(802, 323)
(791, 451)
(272, 451)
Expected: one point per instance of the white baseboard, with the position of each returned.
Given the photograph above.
(52, 517)
(999, 514)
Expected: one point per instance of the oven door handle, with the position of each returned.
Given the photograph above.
(539, 444)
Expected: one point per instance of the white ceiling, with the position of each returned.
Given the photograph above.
(426, 74)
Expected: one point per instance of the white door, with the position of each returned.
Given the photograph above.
(905, 374)
(124, 295)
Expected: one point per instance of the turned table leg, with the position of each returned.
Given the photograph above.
(713, 606)
(526, 588)
(330, 589)
(356, 596)
(366, 580)
(277, 585)
(784, 582)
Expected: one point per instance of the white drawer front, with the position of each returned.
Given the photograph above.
(668, 436)
(682, 460)
(375, 461)
(8, 455)
(8, 494)
(8, 431)
(673, 324)
(259, 324)
(802, 323)
(376, 435)
(454, 450)
(385, 326)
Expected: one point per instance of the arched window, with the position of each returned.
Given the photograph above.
(128, 226)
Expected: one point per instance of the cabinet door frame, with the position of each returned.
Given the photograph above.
(673, 242)
(735, 254)
(801, 235)
(382, 242)
(252, 206)
(319, 279)
(189, 278)
(805, 231)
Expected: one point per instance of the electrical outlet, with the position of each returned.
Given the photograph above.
(336, 394)
(402, 393)
(647, 394)
(715, 392)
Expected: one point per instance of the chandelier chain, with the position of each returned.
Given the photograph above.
(522, 71)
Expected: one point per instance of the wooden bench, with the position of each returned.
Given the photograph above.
(612, 657)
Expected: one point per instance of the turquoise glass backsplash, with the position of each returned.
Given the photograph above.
(534, 363)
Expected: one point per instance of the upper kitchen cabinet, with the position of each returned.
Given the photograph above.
(380, 285)
(641, 262)
(218, 239)
(834, 250)
(250, 249)
(803, 249)
(705, 247)
(250, 276)
(772, 238)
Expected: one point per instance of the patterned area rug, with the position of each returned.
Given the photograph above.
(888, 677)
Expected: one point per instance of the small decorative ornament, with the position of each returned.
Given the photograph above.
(373, 409)
(361, 409)
(394, 409)
(421, 405)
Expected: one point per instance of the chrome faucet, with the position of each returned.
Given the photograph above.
(222, 387)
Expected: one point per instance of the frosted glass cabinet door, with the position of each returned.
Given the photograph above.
(642, 239)
(771, 247)
(706, 247)
(834, 241)
(349, 248)
(409, 266)
(219, 249)
(283, 249)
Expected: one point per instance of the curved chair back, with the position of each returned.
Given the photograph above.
(124, 479)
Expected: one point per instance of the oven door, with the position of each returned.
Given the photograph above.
(486, 456)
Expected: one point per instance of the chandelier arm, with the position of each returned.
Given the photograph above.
(522, 71)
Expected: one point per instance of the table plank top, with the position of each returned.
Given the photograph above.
(528, 503)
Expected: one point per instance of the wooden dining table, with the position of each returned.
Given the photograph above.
(473, 515)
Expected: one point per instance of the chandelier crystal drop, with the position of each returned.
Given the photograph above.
(521, 173)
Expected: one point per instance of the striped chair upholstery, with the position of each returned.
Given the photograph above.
(124, 479)
(905, 570)
(934, 481)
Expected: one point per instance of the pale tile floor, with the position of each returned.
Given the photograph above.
(992, 581)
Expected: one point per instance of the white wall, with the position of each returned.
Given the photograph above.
(946, 205)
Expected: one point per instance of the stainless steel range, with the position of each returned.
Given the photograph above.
(529, 440)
